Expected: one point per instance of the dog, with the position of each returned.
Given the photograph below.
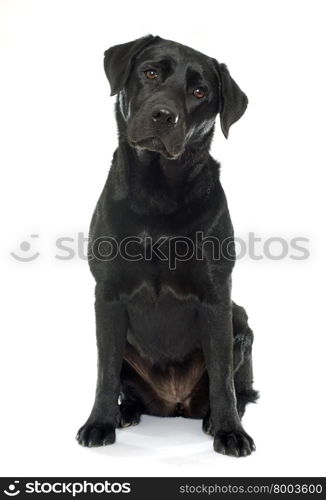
(170, 340)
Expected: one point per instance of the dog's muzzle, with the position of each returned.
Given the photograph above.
(158, 129)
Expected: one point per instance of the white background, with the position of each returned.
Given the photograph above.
(58, 135)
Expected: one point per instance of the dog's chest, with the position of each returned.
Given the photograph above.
(163, 323)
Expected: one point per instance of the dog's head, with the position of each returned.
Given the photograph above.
(170, 94)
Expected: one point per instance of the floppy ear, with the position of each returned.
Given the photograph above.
(233, 102)
(118, 61)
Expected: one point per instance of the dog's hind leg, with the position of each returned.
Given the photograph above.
(131, 405)
(242, 360)
(130, 412)
(139, 397)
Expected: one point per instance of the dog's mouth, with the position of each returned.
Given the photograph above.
(156, 145)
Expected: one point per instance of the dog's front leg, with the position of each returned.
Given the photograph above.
(111, 331)
(217, 342)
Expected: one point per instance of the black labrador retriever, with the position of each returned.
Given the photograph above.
(170, 340)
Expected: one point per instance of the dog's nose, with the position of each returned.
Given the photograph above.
(164, 116)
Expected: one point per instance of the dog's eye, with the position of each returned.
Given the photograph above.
(199, 93)
(151, 74)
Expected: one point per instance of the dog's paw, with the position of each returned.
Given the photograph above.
(129, 414)
(96, 434)
(207, 425)
(234, 443)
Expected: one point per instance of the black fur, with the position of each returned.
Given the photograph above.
(170, 340)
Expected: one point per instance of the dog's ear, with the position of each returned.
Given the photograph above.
(118, 61)
(233, 102)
